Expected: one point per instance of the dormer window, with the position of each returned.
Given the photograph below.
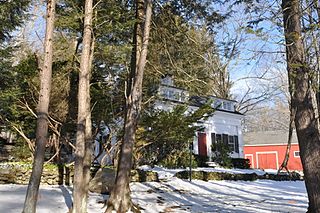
(222, 104)
(218, 104)
(227, 105)
(172, 93)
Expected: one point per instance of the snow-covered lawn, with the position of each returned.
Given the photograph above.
(176, 195)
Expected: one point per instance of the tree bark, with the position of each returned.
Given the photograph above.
(84, 135)
(293, 111)
(306, 121)
(284, 164)
(120, 200)
(42, 113)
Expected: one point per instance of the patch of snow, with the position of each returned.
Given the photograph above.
(176, 195)
(232, 171)
(164, 173)
(271, 171)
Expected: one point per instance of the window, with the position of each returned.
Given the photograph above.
(164, 93)
(218, 141)
(182, 97)
(218, 138)
(225, 139)
(229, 140)
(231, 144)
(171, 94)
(296, 154)
(227, 106)
(217, 104)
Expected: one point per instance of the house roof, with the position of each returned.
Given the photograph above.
(200, 100)
(278, 137)
(194, 100)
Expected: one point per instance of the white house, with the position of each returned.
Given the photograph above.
(224, 125)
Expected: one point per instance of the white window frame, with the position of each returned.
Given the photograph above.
(295, 155)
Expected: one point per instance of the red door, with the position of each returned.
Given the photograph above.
(202, 143)
(267, 161)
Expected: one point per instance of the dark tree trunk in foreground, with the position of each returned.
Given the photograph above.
(120, 200)
(84, 134)
(306, 119)
(42, 113)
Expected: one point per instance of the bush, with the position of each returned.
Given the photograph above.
(179, 160)
(198, 175)
(221, 154)
(240, 163)
(164, 137)
(201, 160)
(21, 152)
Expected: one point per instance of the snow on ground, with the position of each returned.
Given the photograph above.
(221, 196)
(165, 173)
(176, 195)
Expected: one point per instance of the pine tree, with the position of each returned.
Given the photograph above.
(12, 15)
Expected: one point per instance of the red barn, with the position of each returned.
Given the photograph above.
(266, 150)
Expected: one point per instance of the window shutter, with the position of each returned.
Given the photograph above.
(219, 142)
(213, 142)
(236, 141)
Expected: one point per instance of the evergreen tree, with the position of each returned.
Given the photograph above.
(164, 137)
(12, 15)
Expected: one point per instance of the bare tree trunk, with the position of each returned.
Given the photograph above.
(284, 164)
(306, 121)
(84, 134)
(293, 111)
(42, 113)
(120, 200)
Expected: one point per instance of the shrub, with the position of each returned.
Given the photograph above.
(201, 160)
(164, 137)
(221, 153)
(21, 152)
(179, 160)
(240, 163)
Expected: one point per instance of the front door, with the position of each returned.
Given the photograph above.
(202, 144)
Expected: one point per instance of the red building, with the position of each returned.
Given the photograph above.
(266, 150)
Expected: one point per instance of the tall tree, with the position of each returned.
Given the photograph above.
(42, 113)
(84, 134)
(303, 100)
(120, 200)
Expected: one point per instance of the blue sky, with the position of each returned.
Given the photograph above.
(261, 49)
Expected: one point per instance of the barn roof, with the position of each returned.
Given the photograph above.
(279, 137)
